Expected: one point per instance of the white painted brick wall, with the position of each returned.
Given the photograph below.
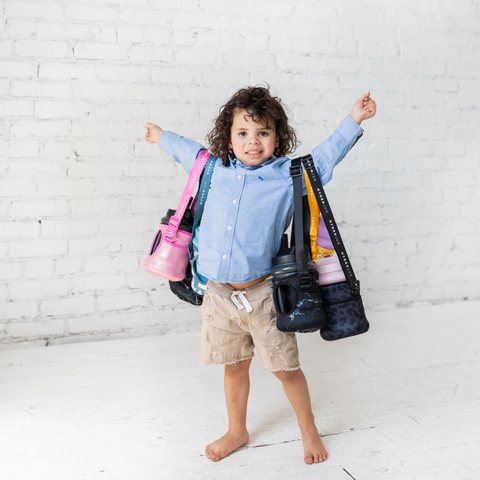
(81, 194)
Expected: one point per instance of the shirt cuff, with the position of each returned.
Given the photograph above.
(166, 140)
(350, 131)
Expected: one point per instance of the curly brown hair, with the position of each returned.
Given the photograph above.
(262, 107)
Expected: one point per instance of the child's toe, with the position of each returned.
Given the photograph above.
(214, 457)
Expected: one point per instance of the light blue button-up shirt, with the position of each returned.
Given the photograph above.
(249, 208)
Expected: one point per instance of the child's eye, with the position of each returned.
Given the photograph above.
(242, 134)
(264, 134)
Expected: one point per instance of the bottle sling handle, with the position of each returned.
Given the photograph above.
(174, 222)
(304, 280)
(330, 223)
(203, 191)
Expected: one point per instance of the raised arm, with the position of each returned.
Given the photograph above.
(332, 151)
(181, 150)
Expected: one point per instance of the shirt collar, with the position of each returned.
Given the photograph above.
(235, 162)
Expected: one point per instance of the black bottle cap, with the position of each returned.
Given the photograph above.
(284, 256)
(288, 256)
(187, 220)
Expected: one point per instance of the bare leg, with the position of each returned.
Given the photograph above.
(296, 388)
(237, 388)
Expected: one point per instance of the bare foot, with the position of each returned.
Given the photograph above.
(313, 447)
(224, 446)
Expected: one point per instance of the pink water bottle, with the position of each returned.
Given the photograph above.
(168, 257)
(329, 268)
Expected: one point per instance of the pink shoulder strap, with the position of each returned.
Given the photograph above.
(174, 223)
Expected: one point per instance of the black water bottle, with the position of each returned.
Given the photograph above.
(298, 302)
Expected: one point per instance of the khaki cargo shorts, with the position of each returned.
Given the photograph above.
(236, 321)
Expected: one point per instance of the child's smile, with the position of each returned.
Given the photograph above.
(253, 143)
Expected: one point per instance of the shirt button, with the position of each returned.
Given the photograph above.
(239, 177)
(229, 228)
(234, 201)
(224, 256)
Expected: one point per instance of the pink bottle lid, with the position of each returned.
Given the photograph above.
(329, 270)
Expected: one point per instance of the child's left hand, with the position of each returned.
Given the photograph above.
(364, 108)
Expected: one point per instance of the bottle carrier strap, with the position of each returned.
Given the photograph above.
(330, 223)
(304, 280)
(193, 178)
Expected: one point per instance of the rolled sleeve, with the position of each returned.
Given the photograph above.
(350, 131)
(181, 150)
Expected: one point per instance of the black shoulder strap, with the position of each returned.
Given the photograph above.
(330, 223)
(304, 280)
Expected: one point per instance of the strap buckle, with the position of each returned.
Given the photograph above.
(304, 282)
(296, 171)
(174, 222)
(356, 288)
(308, 162)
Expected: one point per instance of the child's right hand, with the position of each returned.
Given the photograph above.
(153, 133)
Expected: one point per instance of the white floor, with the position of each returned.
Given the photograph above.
(400, 402)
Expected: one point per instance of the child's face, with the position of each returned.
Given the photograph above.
(253, 143)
